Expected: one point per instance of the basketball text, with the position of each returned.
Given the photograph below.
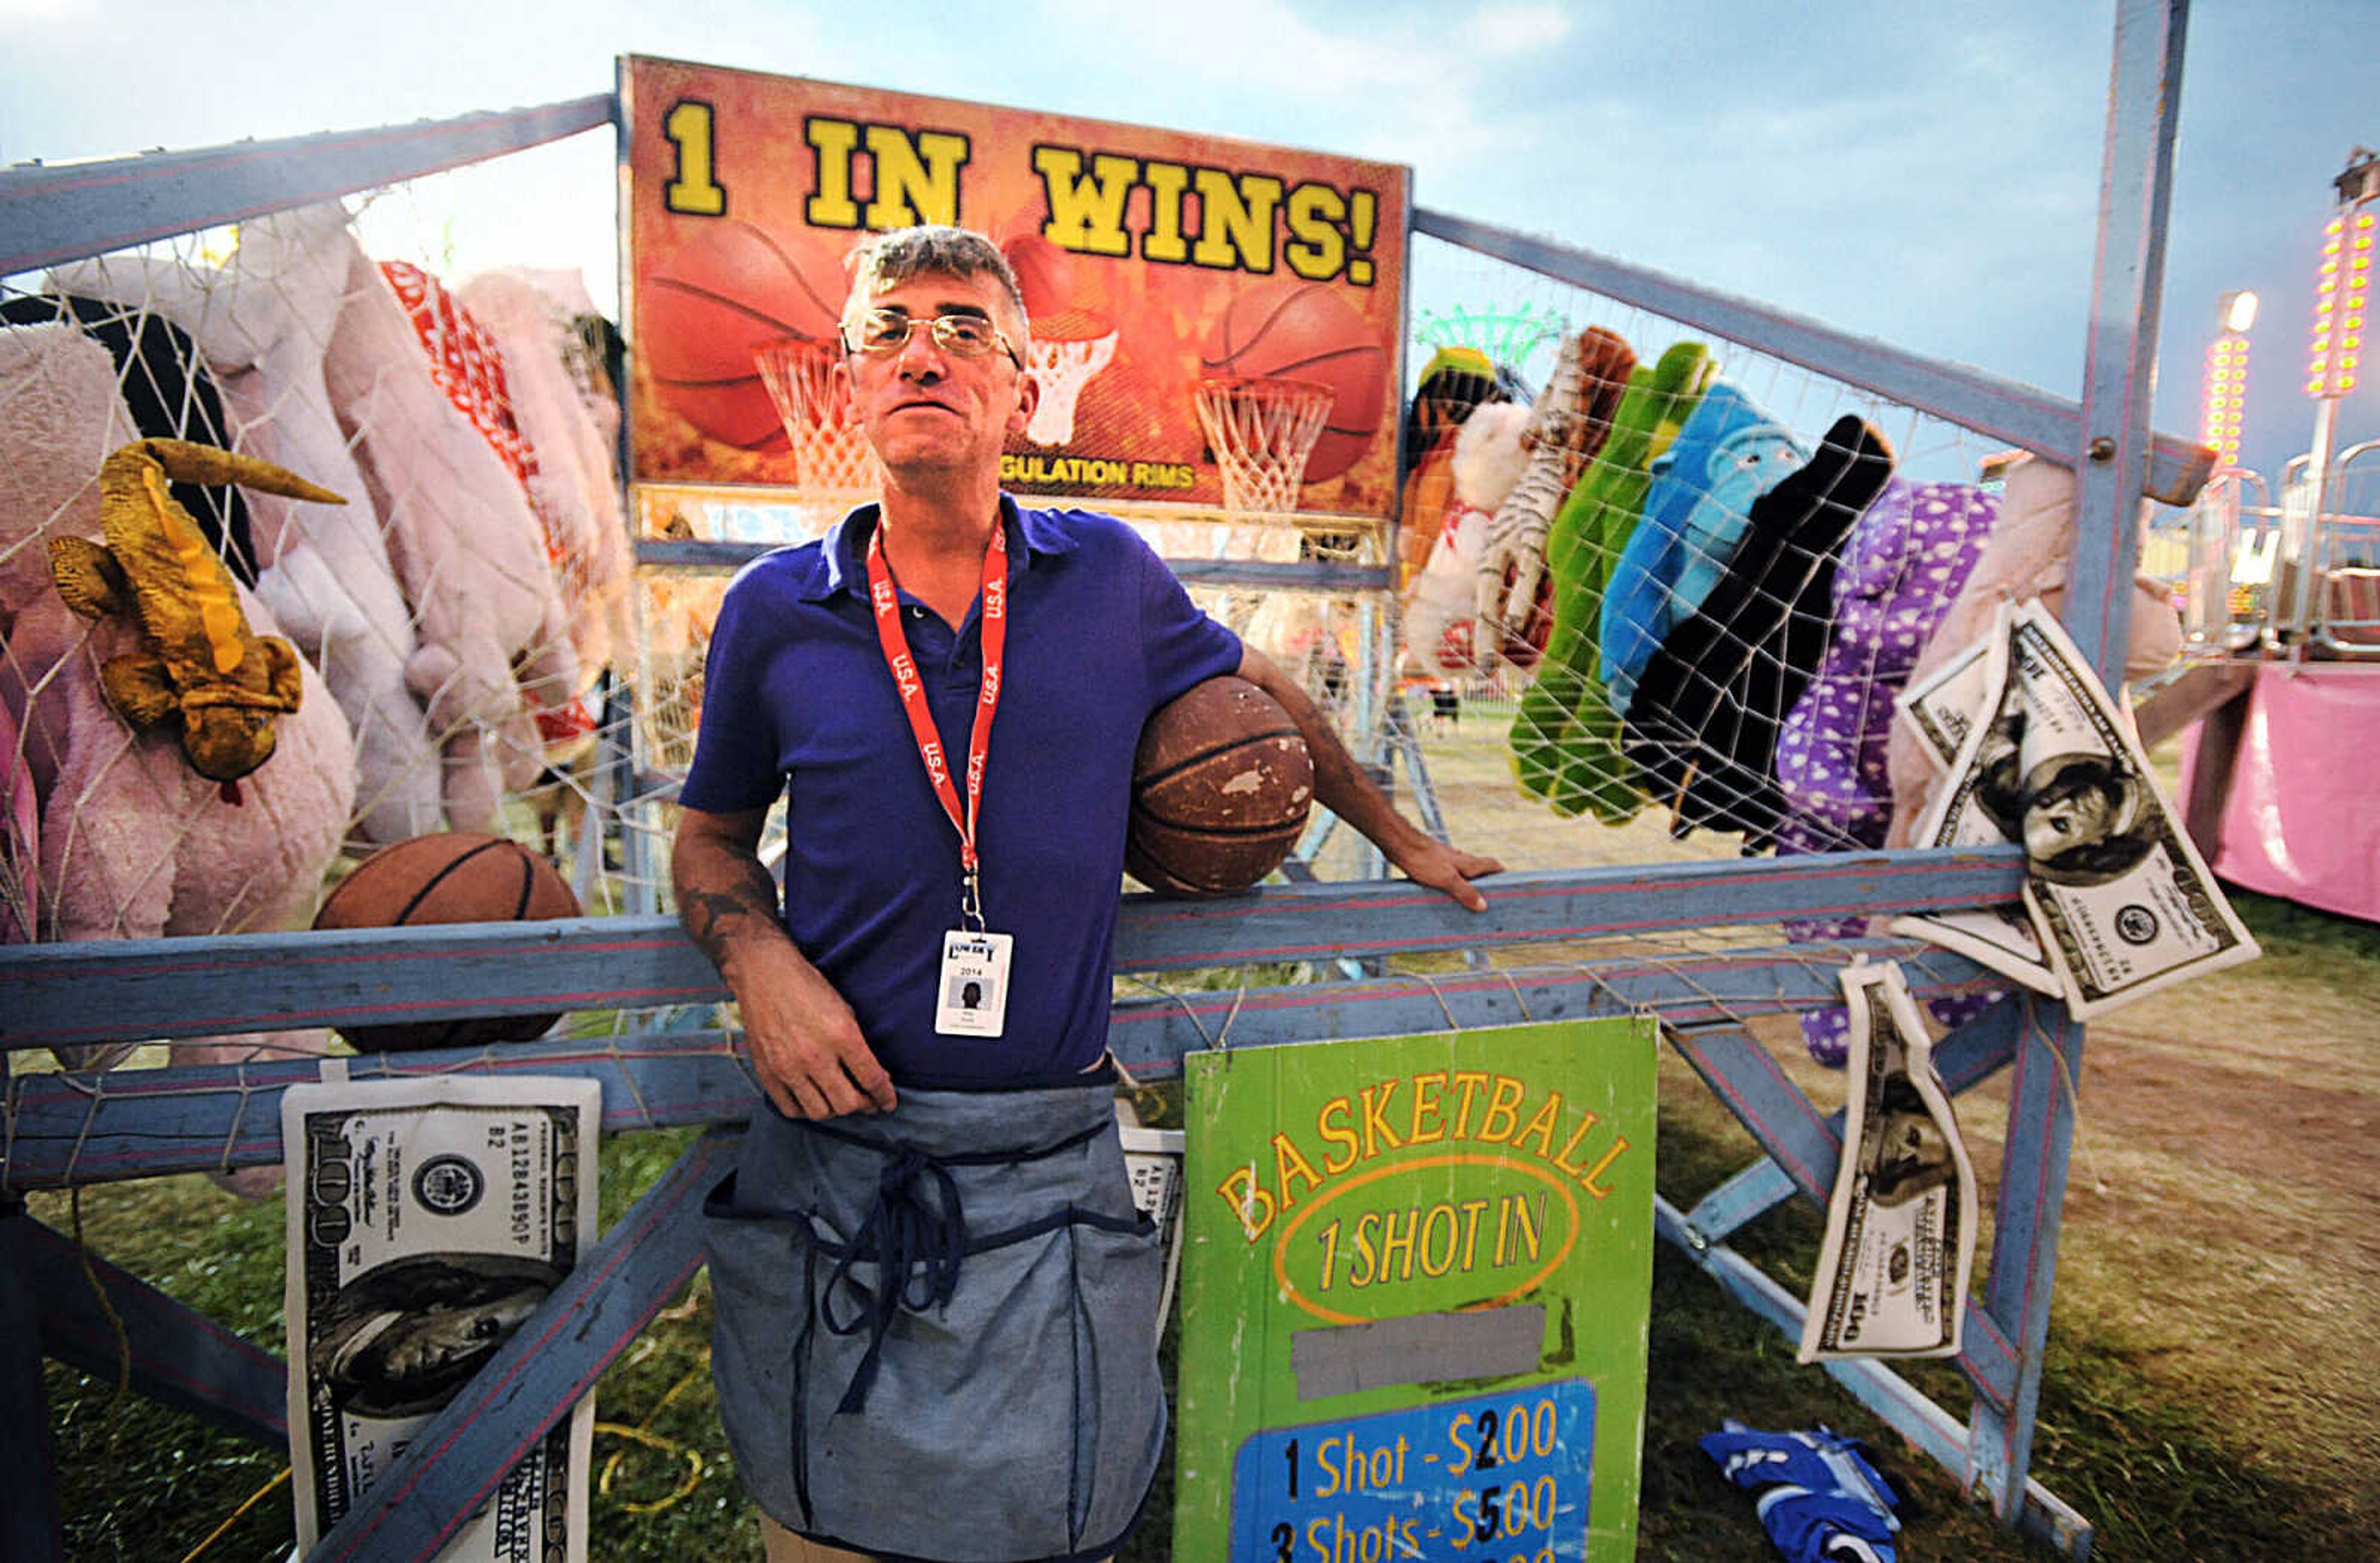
(913, 176)
(697, 191)
(1214, 218)
(1460, 1106)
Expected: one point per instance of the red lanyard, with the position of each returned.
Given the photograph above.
(883, 598)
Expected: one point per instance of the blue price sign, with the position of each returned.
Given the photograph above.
(1492, 1479)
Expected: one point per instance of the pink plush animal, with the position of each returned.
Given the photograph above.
(20, 837)
(134, 844)
(2030, 555)
(571, 487)
(467, 549)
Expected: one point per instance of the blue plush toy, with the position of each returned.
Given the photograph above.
(1729, 454)
(1818, 1497)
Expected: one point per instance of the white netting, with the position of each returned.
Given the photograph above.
(1261, 431)
(835, 463)
(471, 629)
(453, 620)
(1685, 581)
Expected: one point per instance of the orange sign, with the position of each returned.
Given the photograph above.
(1160, 269)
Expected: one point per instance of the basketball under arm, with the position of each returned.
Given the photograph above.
(1339, 783)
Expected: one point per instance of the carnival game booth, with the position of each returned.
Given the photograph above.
(498, 637)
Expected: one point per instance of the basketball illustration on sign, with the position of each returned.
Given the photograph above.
(1307, 333)
(713, 303)
(1071, 343)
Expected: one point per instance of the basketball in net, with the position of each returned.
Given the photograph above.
(1306, 331)
(1262, 431)
(1072, 340)
(831, 455)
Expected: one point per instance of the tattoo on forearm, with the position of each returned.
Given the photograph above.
(715, 916)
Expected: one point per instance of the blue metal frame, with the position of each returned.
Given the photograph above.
(50, 215)
(2005, 409)
(65, 1129)
(29, 1487)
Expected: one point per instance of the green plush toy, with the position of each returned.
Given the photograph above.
(1565, 738)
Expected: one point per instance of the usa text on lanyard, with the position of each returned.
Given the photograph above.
(883, 598)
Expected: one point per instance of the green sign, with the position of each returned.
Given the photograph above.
(1415, 1298)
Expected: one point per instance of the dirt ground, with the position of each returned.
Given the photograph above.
(2222, 1222)
(2226, 1195)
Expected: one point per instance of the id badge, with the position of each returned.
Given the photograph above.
(973, 998)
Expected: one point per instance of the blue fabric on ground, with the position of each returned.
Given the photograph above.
(1818, 1497)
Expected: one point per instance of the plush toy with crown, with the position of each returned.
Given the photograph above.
(199, 660)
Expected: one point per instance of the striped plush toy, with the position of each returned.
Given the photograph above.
(1566, 428)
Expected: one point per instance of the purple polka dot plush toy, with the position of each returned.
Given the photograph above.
(1903, 566)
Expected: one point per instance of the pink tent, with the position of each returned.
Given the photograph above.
(2297, 814)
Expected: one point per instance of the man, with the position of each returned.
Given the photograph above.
(935, 1301)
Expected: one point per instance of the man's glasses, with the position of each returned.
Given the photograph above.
(962, 336)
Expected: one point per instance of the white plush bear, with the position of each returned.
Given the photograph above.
(1440, 608)
(467, 549)
(263, 323)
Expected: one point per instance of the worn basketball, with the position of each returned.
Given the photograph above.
(1221, 786)
(449, 877)
(1305, 331)
(704, 310)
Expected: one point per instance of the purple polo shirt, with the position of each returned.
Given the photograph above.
(797, 700)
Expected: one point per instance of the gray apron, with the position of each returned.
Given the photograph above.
(935, 1335)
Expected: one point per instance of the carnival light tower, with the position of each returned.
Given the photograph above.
(2227, 378)
(2342, 285)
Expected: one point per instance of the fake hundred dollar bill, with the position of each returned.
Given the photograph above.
(1943, 707)
(2118, 900)
(1946, 711)
(2122, 900)
(1900, 1224)
(1153, 1158)
(428, 1219)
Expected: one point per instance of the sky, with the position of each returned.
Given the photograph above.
(1926, 174)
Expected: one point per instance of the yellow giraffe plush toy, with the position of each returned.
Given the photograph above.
(199, 658)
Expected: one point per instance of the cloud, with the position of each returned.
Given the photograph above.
(1506, 30)
(1401, 87)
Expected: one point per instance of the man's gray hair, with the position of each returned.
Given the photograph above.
(931, 249)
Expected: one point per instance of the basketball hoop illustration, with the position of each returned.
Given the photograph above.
(1063, 366)
(1071, 342)
(1262, 431)
(831, 456)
